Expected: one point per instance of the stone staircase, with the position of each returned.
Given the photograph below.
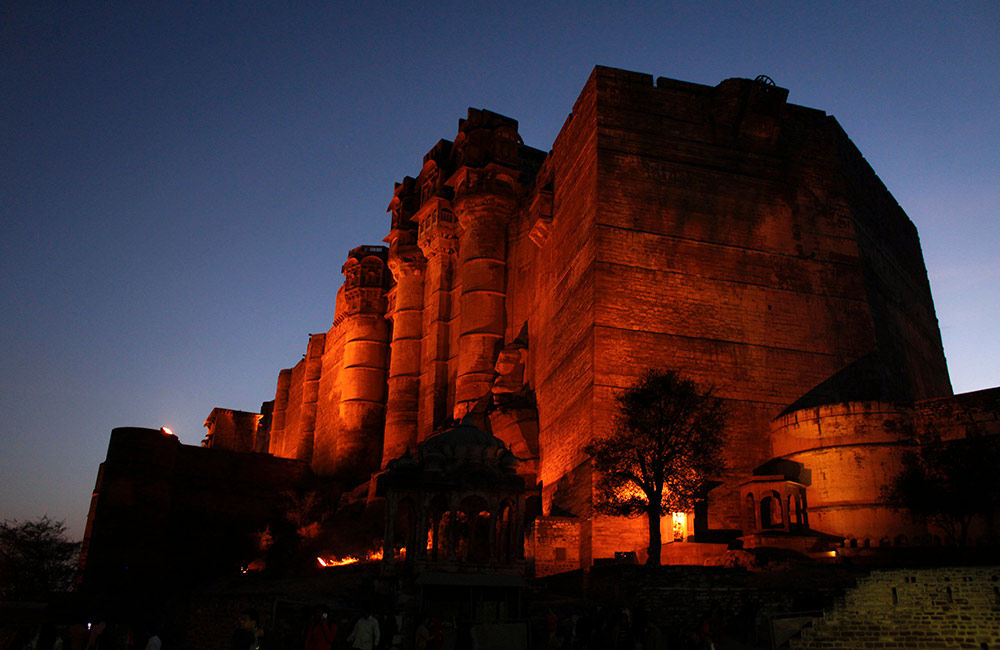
(957, 607)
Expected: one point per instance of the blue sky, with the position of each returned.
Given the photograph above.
(180, 182)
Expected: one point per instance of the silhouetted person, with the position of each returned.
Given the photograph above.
(62, 641)
(651, 636)
(154, 642)
(322, 631)
(437, 634)
(551, 625)
(465, 638)
(388, 630)
(25, 637)
(422, 635)
(584, 632)
(247, 634)
(95, 638)
(365, 635)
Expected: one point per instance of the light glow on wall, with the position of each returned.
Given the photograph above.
(679, 525)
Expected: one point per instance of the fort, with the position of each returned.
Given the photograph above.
(720, 231)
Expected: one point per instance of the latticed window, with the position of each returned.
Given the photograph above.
(371, 272)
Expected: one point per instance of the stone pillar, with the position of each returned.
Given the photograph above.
(439, 245)
(453, 532)
(389, 534)
(494, 524)
(419, 548)
(436, 535)
(310, 396)
(277, 445)
(485, 200)
(517, 524)
(402, 406)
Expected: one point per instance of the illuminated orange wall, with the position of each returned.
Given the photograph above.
(850, 451)
(328, 424)
(717, 230)
(561, 316)
(232, 430)
(406, 310)
(334, 403)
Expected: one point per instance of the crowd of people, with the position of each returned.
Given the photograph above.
(631, 628)
(102, 635)
(603, 628)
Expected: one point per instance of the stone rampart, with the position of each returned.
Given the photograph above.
(848, 453)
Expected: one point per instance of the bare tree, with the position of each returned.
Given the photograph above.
(36, 558)
(666, 442)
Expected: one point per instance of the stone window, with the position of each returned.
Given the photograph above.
(371, 272)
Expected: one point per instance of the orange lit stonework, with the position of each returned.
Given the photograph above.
(719, 231)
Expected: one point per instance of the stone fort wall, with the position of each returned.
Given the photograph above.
(163, 508)
(717, 230)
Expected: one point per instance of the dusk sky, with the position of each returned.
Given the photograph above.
(180, 182)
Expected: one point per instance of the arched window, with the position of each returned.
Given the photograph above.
(403, 529)
(352, 274)
(428, 186)
(474, 530)
(437, 527)
(371, 272)
(770, 511)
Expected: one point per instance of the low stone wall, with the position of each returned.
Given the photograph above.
(733, 600)
(913, 608)
(554, 545)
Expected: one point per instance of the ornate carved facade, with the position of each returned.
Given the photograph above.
(457, 503)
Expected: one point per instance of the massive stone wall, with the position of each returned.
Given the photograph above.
(717, 230)
(232, 430)
(725, 249)
(960, 416)
(561, 326)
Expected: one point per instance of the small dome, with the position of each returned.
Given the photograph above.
(463, 441)
(462, 457)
